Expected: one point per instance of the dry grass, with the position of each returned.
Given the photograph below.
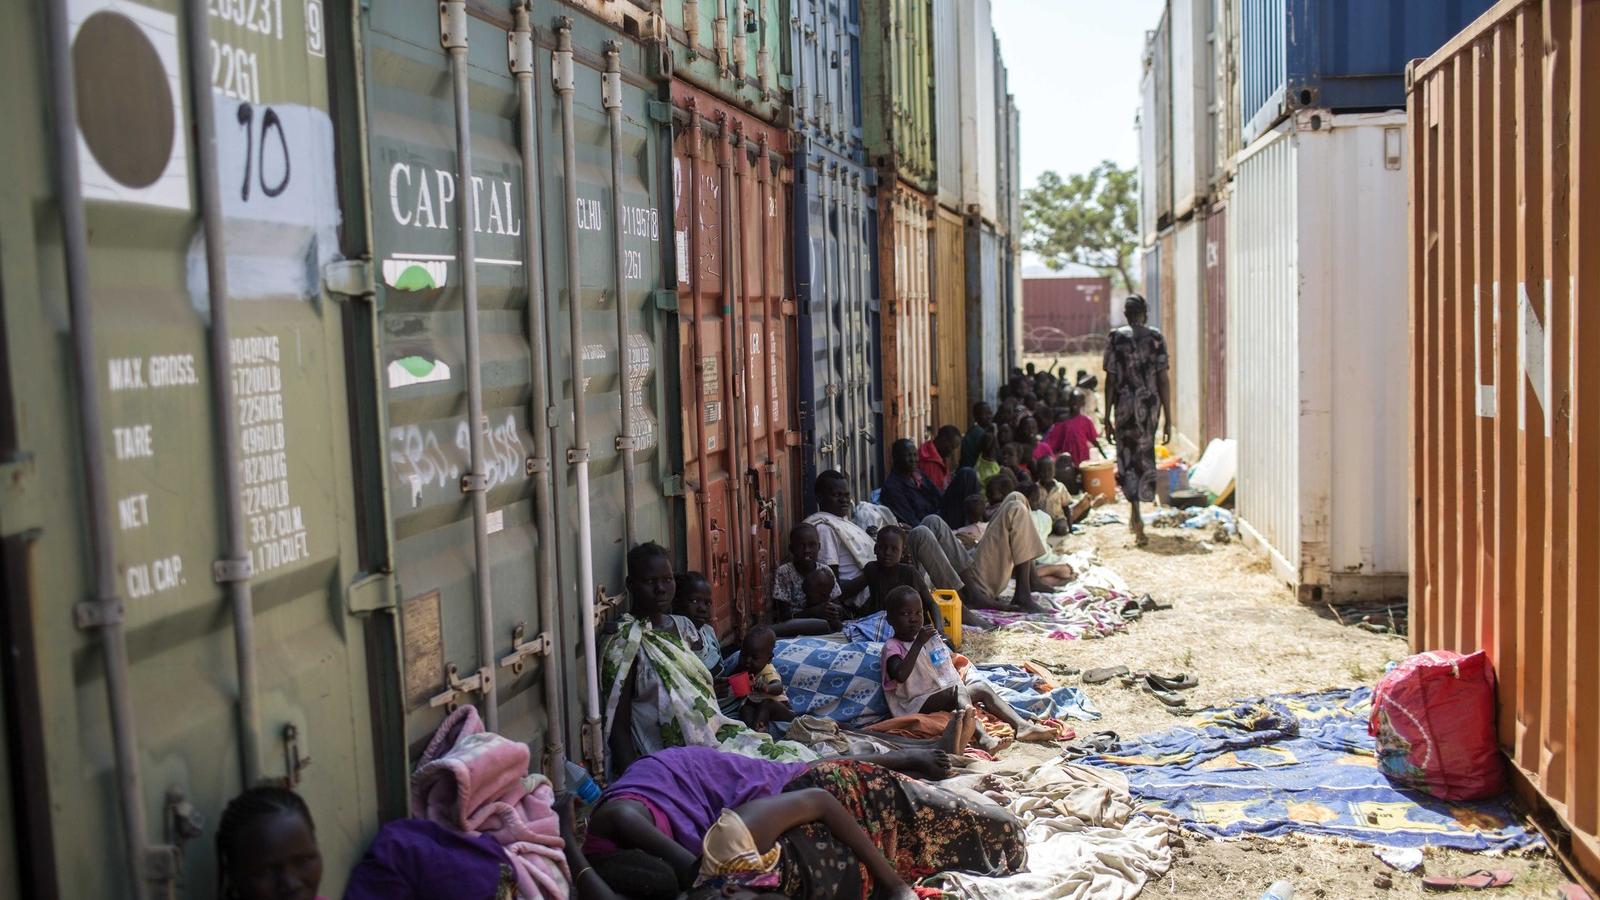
(1242, 633)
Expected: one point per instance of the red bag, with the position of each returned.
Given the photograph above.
(1433, 717)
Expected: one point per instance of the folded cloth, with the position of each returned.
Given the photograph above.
(729, 855)
(474, 781)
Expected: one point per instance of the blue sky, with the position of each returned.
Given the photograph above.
(1074, 69)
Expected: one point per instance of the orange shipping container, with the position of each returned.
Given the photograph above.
(1505, 382)
(731, 186)
(947, 319)
(904, 216)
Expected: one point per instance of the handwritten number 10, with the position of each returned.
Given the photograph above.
(269, 122)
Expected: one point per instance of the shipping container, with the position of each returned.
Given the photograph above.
(1503, 420)
(1341, 55)
(897, 88)
(731, 225)
(1155, 131)
(1002, 149)
(1185, 339)
(836, 272)
(979, 140)
(1166, 315)
(1214, 355)
(905, 215)
(1225, 124)
(947, 75)
(826, 39)
(600, 236)
(185, 547)
(1315, 329)
(947, 319)
(1193, 115)
(1057, 309)
(985, 324)
(1150, 284)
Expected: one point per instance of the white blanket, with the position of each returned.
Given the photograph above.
(1084, 840)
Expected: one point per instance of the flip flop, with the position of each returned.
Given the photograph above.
(1149, 604)
(1477, 881)
(1167, 697)
(1092, 745)
(1182, 681)
(1103, 675)
(1573, 892)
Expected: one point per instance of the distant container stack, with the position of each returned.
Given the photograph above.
(1254, 109)
(948, 311)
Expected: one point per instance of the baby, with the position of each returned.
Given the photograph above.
(919, 675)
(766, 701)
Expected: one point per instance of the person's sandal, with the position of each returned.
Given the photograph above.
(1103, 675)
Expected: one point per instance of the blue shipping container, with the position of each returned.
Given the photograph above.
(836, 274)
(1342, 55)
(826, 40)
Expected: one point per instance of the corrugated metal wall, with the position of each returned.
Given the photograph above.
(897, 88)
(1185, 341)
(1264, 326)
(1318, 216)
(947, 101)
(1192, 94)
(979, 142)
(984, 319)
(1215, 362)
(948, 320)
(825, 39)
(1504, 222)
(904, 277)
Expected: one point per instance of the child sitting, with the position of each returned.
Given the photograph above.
(976, 509)
(1076, 433)
(692, 600)
(887, 572)
(919, 675)
(788, 588)
(766, 701)
(987, 466)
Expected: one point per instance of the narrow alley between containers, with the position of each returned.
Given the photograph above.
(814, 449)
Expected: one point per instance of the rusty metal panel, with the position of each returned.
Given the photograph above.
(836, 272)
(948, 322)
(731, 193)
(1214, 356)
(1057, 309)
(897, 88)
(905, 292)
(1503, 120)
(421, 366)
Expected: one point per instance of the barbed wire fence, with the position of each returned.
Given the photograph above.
(1048, 340)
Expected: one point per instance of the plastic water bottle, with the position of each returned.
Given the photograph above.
(581, 783)
(1280, 890)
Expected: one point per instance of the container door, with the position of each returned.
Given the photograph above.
(903, 279)
(151, 311)
(1215, 357)
(730, 194)
(835, 268)
(735, 51)
(947, 320)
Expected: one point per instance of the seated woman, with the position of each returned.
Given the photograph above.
(267, 847)
(657, 693)
(667, 803)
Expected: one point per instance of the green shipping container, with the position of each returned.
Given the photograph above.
(341, 191)
(733, 49)
(897, 83)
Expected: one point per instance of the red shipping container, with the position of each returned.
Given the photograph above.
(1057, 309)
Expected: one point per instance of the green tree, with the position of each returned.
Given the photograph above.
(1092, 219)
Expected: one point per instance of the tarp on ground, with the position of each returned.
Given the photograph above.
(1299, 763)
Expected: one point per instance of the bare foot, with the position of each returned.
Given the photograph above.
(1036, 733)
(956, 734)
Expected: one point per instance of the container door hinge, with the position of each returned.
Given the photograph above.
(369, 594)
(453, 24)
(348, 279)
(461, 688)
(792, 439)
(97, 614)
(664, 300)
(293, 762)
(788, 308)
(660, 111)
(227, 571)
(672, 486)
(604, 603)
(522, 648)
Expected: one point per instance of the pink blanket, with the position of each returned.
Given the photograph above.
(477, 782)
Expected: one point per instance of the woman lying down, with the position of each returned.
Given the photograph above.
(730, 825)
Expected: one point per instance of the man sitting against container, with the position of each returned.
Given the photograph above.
(1007, 549)
(913, 496)
(982, 423)
(934, 457)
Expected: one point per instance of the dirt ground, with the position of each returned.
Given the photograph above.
(1242, 633)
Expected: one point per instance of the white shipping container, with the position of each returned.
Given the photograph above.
(1225, 127)
(979, 142)
(1187, 343)
(1015, 201)
(1317, 351)
(947, 101)
(1193, 124)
